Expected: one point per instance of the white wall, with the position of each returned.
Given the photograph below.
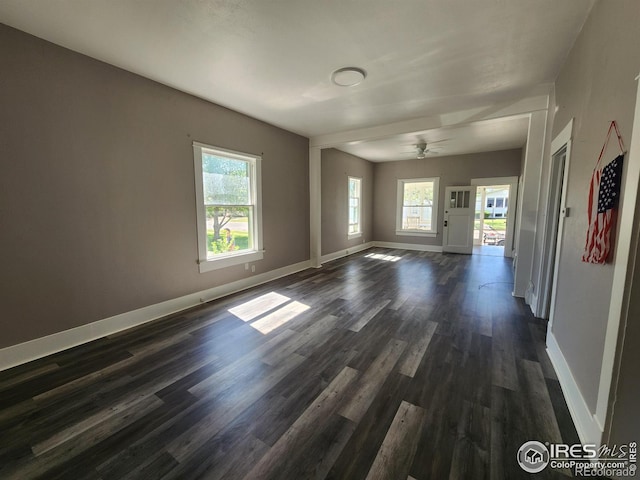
(538, 271)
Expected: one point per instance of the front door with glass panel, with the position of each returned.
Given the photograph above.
(459, 211)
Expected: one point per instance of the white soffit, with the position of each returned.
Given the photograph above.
(485, 136)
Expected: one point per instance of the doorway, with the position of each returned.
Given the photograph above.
(490, 226)
(552, 226)
(495, 205)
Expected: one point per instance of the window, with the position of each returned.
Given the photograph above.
(491, 202)
(499, 202)
(355, 189)
(228, 207)
(417, 207)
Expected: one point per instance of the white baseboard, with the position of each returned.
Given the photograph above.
(586, 423)
(347, 251)
(365, 246)
(40, 347)
(531, 299)
(409, 246)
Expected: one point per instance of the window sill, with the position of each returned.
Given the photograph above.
(230, 261)
(354, 235)
(415, 233)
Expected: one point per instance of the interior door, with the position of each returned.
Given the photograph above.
(459, 211)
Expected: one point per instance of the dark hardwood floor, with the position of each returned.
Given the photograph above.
(387, 364)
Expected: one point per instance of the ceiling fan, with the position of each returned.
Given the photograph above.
(423, 150)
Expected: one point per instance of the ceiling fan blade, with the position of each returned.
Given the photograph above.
(438, 141)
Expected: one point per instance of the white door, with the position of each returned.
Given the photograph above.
(459, 210)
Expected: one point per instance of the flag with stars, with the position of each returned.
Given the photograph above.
(610, 185)
(602, 213)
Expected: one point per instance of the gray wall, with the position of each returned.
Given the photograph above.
(595, 85)
(454, 170)
(337, 167)
(625, 423)
(97, 198)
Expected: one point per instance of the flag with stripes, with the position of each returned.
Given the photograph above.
(602, 210)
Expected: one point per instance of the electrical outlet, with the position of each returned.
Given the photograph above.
(253, 268)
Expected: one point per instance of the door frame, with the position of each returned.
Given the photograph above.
(511, 211)
(562, 140)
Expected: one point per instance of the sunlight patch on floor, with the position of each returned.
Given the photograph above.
(279, 317)
(380, 256)
(251, 309)
(269, 311)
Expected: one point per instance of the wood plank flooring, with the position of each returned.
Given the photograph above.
(388, 364)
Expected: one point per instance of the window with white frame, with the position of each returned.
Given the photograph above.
(355, 206)
(229, 216)
(417, 209)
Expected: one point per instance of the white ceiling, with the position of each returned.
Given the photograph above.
(272, 59)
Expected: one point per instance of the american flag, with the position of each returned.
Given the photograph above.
(602, 213)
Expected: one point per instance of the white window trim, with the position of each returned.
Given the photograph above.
(434, 212)
(236, 258)
(359, 232)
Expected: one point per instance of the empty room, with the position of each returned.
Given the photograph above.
(319, 239)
